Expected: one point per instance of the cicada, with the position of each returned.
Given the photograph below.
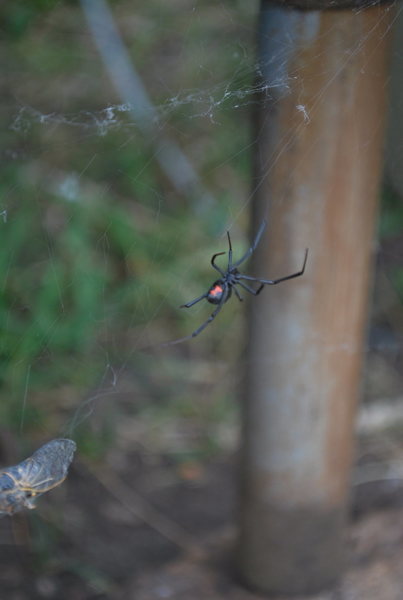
(47, 468)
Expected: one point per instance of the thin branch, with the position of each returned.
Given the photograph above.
(129, 86)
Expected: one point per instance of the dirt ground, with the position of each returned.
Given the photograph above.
(144, 530)
(140, 525)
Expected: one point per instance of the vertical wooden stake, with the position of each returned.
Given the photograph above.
(318, 161)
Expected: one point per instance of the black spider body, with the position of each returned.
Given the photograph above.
(222, 286)
(220, 291)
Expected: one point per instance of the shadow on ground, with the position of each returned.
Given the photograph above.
(173, 537)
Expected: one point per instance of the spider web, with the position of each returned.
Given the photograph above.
(112, 207)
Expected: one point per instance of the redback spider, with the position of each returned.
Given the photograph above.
(220, 291)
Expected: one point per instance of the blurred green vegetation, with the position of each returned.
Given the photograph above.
(17, 16)
(98, 251)
(390, 235)
(391, 216)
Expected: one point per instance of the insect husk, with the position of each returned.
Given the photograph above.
(22, 484)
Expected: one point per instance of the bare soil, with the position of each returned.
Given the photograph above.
(147, 530)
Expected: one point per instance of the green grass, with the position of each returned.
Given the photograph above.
(98, 250)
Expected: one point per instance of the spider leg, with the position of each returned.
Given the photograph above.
(249, 289)
(229, 252)
(214, 265)
(254, 245)
(208, 321)
(275, 281)
(204, 325)
(189, 304)
(237, 294)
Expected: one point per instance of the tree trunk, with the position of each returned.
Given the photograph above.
(318, 166)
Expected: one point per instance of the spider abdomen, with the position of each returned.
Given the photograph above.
(216, 291)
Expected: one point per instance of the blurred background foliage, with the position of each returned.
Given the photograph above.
(98, 250)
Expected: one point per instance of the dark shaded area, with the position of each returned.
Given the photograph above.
(329, 4)
(97, 549)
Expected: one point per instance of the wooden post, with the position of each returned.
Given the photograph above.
(318, 166)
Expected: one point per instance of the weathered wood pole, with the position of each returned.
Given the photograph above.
(318, 167)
